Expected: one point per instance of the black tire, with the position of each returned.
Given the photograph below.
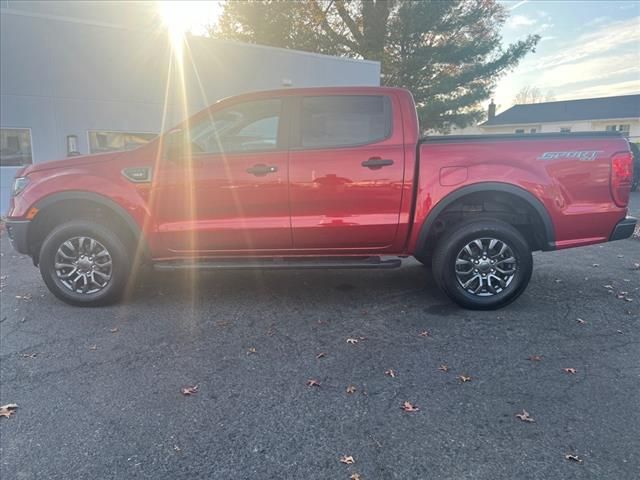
(120, 263)
(452, 244)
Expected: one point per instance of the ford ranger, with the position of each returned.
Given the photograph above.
(321, 178)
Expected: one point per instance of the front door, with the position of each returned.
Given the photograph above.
(227, 189)
(346, 170)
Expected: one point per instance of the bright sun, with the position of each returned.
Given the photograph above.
(189, 16)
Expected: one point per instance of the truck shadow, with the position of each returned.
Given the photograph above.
(411, 283)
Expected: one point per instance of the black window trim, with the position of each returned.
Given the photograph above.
(296, 126)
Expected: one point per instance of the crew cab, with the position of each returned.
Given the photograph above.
(321, 177)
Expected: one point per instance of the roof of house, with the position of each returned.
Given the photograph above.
(624, 106)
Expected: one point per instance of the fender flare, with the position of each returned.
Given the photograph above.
(106, 202)
(529, 198)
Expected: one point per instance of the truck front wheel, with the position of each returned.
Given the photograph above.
(483, 265)
(85, 264)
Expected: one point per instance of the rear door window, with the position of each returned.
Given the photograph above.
(345, 120)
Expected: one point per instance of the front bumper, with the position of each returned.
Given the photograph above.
(623, 229)
(17, 231)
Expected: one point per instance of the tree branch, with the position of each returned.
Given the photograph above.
(324, 23)
(349, 22)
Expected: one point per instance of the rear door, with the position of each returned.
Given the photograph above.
(346, 169)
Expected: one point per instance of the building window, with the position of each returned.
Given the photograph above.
(519, 130)
(624, 129)
(15, 147)
(105, 141)
(565, 129)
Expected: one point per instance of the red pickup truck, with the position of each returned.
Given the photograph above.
(323, 177)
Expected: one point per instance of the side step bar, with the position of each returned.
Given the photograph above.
(278, 263)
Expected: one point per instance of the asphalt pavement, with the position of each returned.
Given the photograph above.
(99, 390)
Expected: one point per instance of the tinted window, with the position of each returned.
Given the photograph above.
(345, 120)
(247, 126)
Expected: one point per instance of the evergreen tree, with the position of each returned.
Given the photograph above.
(448, 53)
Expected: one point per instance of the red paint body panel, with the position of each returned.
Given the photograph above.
(323, 201)
(575, 193)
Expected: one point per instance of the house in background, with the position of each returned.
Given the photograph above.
(619, 114)
(89, 77)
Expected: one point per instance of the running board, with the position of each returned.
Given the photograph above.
(278, 263)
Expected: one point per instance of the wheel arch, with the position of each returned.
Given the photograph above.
(66, 204)
(488, 187)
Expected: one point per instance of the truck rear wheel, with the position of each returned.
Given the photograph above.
(483, 265)
(85, 264)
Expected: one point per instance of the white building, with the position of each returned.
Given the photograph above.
(86, 77)
(621, 114)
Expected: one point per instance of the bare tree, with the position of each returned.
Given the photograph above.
(528, 94)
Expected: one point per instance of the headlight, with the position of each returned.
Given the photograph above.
(19, 184)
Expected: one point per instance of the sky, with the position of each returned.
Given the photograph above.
(588, 48)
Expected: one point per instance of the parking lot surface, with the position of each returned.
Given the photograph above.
(99, 390)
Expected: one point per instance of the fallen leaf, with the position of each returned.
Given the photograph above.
(424, 333)
(608, 287)
(312, 382)
(536, 358)
(572, 457)
(8, 410)
(409, 407)
(29, 355)
(524, 416)
(251, 351)
(464, 378)
(321, 355)
(557, 280)
(351, 389)
(636, 266)
(26, 296)
(444, 367)
(189, 390)
(571, 371)
(352, 341)
(355, 476)
(390, 373)
(93, 347)
(595, 265)
(347, 459)
(581, 321)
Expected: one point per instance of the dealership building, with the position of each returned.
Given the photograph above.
(88, 77)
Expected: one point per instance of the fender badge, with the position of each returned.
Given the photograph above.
(582, 155)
